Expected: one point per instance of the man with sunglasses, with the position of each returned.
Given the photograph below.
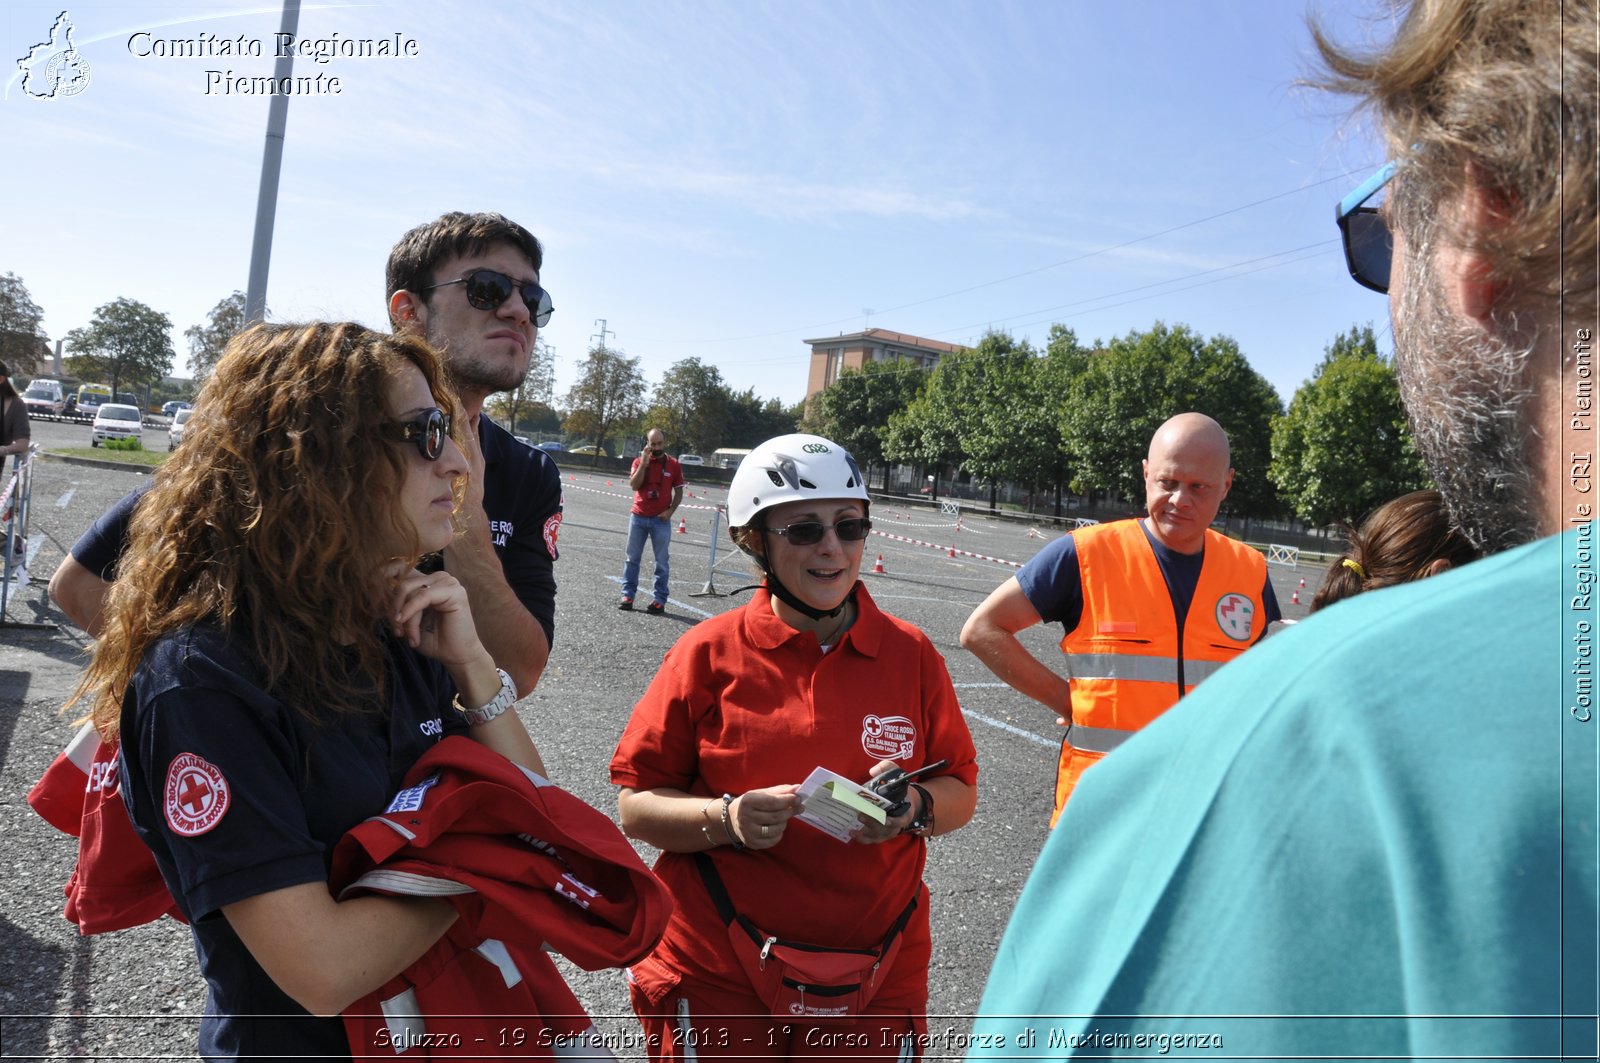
(657, 482)
(469, 284)
(1376, 835)
(1149, 607)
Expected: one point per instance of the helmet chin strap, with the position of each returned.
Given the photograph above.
(776, 588)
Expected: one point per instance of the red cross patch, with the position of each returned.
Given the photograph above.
(552, 531)
(196, 795)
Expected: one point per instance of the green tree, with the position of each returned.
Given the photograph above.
(753, 420)
(127, 344)
(21, 326)
(1136, 382)
(691, 406)
(855, 409)
(207, 342)
(609, 392)
(928, 431)
(529, 402)
(1345, 447)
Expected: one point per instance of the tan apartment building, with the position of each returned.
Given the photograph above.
(832, 355)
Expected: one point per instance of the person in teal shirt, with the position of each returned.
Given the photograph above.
(1375, 835)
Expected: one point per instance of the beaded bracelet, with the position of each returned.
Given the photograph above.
(727, 824)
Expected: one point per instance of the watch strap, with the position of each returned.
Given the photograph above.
(496, 705)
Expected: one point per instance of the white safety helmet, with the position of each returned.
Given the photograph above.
(791, 468)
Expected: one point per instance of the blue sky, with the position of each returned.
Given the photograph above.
(722, 179)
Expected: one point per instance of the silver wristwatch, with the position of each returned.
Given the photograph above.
(499, 704)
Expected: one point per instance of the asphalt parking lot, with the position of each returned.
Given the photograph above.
(133, 995)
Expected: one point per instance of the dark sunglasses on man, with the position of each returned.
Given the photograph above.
(810, 532)
(1368, 244)
(428, 432)
(488, 288)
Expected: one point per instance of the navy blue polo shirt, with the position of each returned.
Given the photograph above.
(237, 795)
(1053, 583)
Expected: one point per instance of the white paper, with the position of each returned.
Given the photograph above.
(834, 805)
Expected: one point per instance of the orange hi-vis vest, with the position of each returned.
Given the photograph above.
(1126, 662)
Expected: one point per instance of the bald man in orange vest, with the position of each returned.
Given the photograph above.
(1150, 606)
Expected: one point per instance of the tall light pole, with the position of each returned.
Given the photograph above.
(255, 300)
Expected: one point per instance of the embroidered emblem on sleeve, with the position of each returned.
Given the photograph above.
(552, 528)
(1234, 614)
(196, 795)
(888, 737)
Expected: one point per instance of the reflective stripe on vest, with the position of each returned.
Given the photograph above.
(1122, 666)
(1096, 739)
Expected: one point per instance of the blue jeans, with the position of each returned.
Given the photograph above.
(659, 531)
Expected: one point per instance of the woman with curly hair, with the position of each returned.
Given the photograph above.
(273, 664)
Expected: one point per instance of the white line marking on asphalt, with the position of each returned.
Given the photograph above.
(1019, 732)
(61, 503)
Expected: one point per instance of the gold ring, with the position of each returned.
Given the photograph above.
(764, 832)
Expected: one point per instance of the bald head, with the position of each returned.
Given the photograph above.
(1186, 476)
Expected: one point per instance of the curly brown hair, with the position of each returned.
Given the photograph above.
(1501, 92)
(275, 518)
(1395, 544)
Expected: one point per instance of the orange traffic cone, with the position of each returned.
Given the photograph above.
(683, 527)
(878, 565)
(1302, 581)
(608, 483)
(1295, 600)
(952, 551)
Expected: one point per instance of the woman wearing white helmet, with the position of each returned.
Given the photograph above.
(787, 941)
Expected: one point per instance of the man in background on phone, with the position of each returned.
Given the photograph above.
(657, 482)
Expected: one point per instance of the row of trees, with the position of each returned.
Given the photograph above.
(127, 344)
(1079, 419)
(612, 402)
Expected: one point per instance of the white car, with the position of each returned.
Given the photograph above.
(113, 420)
(690, 459)
(175, 433)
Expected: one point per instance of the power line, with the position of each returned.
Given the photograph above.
(1314, 250)
(1025, 273)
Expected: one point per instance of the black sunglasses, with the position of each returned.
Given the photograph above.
(428, 432)
(488, 288)
(1368, 244)
(810, 532)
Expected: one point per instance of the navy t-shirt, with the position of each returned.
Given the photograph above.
(1053, 583)
(237, 795)
(522, 498)
(100, 548)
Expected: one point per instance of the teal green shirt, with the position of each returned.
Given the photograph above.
(1372, 835)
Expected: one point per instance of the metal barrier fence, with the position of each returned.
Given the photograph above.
(15, 500)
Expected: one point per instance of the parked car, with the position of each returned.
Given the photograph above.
(170, 409)
(551, 444)
(590, 450)
(44, 397)
(690, 459)
(175, 433)
(115, 420)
